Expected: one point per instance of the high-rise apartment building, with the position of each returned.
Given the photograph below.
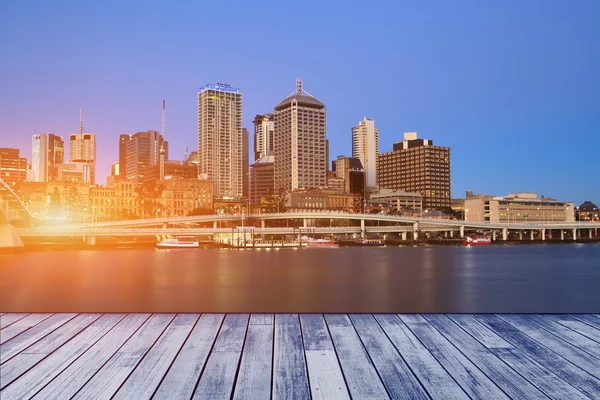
(264, 128)
(142, 152)
(13, 167)
(48, 151)
(416, 165)
(261, 179)
(300, 142)
(220, 139)
(82, 150)
(123, 139)
(245, 162)
(365, 147)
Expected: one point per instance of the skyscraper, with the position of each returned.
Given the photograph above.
(264, 127)
(245, 162)
(300, 142)
(48, 151)
(416, 165)
(123, 139)
(82, 150)
(13, 167)
(220, 139)
(142, 152)
(365, 147)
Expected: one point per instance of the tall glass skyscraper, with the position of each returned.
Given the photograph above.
(365, 147)
(48, 151)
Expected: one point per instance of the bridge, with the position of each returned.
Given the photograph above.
(11, 204)
(318, 223)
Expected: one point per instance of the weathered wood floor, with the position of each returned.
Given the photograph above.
(284, 356)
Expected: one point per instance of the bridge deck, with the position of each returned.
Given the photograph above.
(331, 356)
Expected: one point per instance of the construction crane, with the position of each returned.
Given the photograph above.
(162, 142)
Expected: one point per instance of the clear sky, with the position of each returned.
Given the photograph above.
(513, 87)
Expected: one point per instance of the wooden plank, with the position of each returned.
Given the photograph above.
(27, 338)
(537, 374)
(588, 319)
(254, 376)
(324, 371)
(111, 376)
(567, 334)
(71, 379)
(181, 380)
(361, 376)
(578, 326)
(484, 335)
(29, 357)
(218, 378)
(20, 326)
(468, 376)
(262, 319)
(503, 376)
(7, 319)
(290, 380)
(144, 380)
(393, 370)
(578, 357)
(42, 373)
(562, 368)
(432, 375)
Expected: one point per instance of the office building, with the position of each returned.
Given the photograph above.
(82, 150)
(48, 151)
(142, 152)
(416, 165)
(173, 169)
(75, 172)
(406, 203)
(517, 208)
(262, 177)
(123, 140)
(351, 170)
(365, 147)
(300, 142)
(245, 163)
(264, 128)
(220, 139)
(13, 167)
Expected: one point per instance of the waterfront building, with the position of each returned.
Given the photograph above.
(334, 183)
(351, 170)
(587, 211)
(264, 129)
(220, 139)
(262, 177)
(180, 196)
(82, 150)
(517, 208)
(142, 151)
(13, 167)
(48, 151)
(172, 168)
(365, 147)
(416, 165)
(320, 199)
(119, 201)
(75, 172)
(245, 163)
(300, 143)
(406, 203)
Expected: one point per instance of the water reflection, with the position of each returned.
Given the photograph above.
(521, 278)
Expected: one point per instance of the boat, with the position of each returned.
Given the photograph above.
(477, 239)
(179, 242)
(370, 242)
(268, 244)
(321, 243)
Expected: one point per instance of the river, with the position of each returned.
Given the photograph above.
(544, 278)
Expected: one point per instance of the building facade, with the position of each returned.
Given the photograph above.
(264, 129)
(142, 152)
(245, 163)
(416, 165)
(320, 200)
(519, 208)
(300, 142)
(82, 150)
(180, 196)
(398, 200)
(262, 179)
(13, 167)
(351, 170)
(365, 147)
(48, 151)
(220, 139)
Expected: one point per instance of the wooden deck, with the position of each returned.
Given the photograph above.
(291, 356)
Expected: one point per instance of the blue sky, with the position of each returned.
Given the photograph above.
(513, 87)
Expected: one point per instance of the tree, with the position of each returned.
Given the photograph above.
(55, 201)
(358, 203)
(275, 201)
(149, 195)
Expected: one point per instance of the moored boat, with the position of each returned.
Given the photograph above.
(179, 242)
(321, 243)
(477, 239)
(370, 242)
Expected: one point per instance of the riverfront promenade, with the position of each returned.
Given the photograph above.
(284, 356)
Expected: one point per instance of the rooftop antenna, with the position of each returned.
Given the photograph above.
(299, 85)
(162, 142)
(80, 121)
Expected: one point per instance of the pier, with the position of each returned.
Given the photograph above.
(283, 356)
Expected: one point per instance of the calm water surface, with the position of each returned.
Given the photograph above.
(520, 278)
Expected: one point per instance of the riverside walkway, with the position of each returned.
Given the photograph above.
(301, 356)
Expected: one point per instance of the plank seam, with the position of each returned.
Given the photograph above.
(33, 326)
(24, 316)
(303, 352)
(239, 362)
(208, 356)
(597, 339)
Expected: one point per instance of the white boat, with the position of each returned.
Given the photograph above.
(370, 242)
(179, 242)
(477, 239)
(321, 243)
(270, 244)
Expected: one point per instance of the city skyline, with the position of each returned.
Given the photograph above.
(508, 103)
